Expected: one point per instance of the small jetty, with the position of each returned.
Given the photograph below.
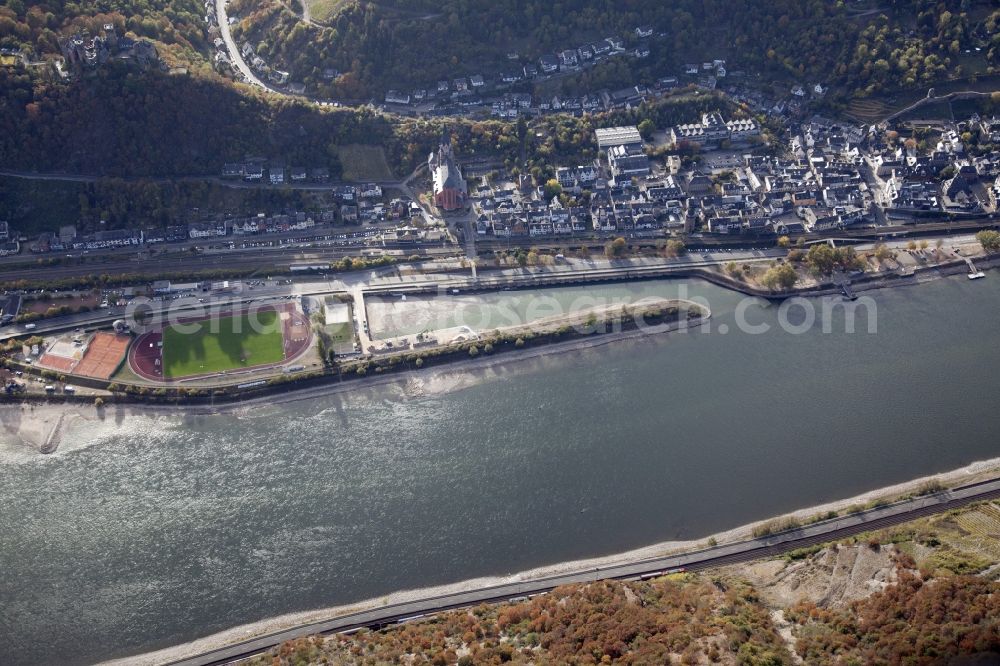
(973, 273)
(844, 282)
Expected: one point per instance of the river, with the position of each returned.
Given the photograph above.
(148, 531)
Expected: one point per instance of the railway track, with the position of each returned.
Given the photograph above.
(280, 258)
(171, 263)
(753, 549)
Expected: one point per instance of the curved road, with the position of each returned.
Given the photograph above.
(235, 56)
(742, 551)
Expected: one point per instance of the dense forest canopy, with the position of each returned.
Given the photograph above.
(120, 121)
(854, 45)
(123, 121)
(129, 123)
(395, 43)
(687, 620)
(36, 27)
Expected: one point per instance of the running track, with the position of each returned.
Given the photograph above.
(296, 333)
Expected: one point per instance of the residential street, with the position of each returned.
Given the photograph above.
(235, 56)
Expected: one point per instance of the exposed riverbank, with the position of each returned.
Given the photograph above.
(969, 474)
(39, 426)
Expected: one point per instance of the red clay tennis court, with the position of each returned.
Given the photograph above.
(104, 354)
(57, 363)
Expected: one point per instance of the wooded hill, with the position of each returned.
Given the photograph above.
(687, 620)
(127, 123)
(36, 26)
(408, 44)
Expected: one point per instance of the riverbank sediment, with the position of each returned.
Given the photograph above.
(39, 426)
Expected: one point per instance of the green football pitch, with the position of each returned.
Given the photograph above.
(217, 345)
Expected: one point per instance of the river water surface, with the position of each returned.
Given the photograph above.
(149, 531)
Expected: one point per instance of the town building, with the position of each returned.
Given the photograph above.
(627, 161)
(450, 189)
(609, 137)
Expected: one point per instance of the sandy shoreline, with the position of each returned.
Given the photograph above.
(39, 427)
(976, 471)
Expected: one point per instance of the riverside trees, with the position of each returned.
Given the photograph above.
(989, 239)
(781, 277)
(616, 248)
(823, 259)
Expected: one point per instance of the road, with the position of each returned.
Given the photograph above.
(360, 311)
(176, 263)
(270, 291)
(235, 57)
(742, 551)
(386, 280)
(439, 275)
(125, 261)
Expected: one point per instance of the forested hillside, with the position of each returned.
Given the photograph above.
(35, 27)
(903, 595)
(128, 123)
(685, 620)
(396, 43)
(602, 623)
(124, 121)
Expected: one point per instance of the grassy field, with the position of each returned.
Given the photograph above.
(362, 162)
(340, 335)
(322, 11)
(223, 344)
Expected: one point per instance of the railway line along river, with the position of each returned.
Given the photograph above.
(147, 530)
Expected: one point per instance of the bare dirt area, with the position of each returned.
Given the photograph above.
(834, 576)
(960, 542)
